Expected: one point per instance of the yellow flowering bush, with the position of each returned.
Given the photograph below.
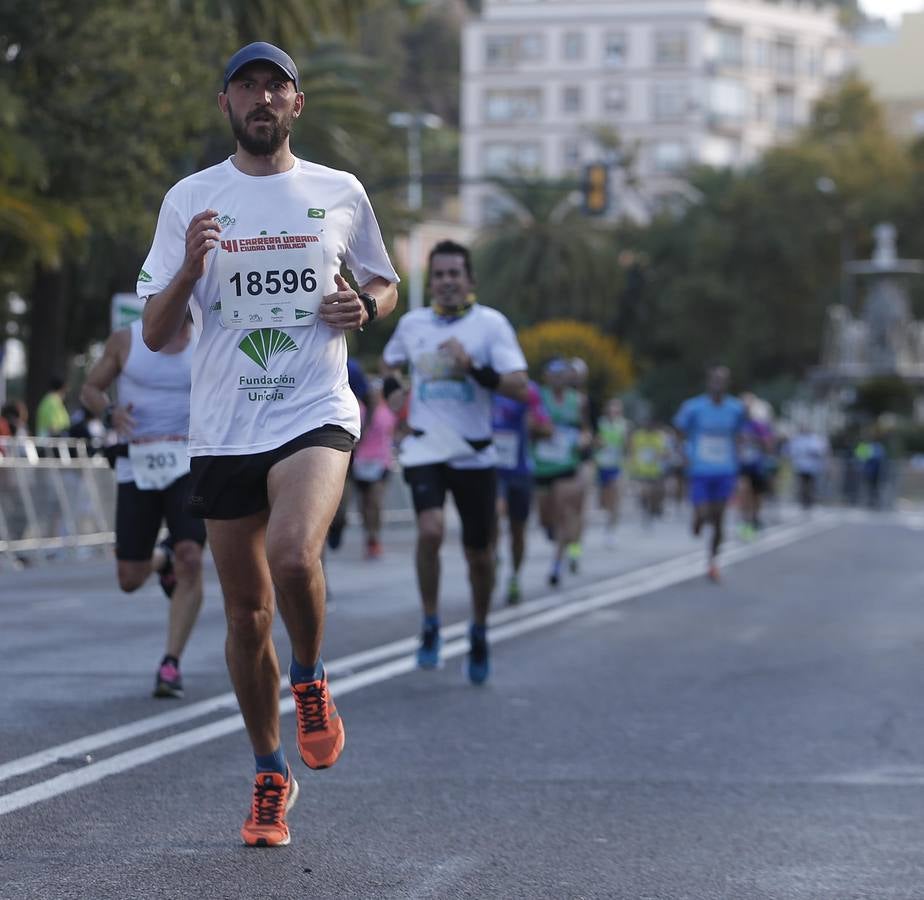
(609, 364)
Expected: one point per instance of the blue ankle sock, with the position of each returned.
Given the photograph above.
(478, 631)
(272, 762)
(299, 674)
(431, 622)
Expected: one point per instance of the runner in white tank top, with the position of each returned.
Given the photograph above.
(254, 247)
(152, 469)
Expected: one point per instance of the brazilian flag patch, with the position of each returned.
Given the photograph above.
(315, 213)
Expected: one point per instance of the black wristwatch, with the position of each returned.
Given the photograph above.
(372, 308)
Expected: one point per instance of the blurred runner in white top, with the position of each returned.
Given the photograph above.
(459, 353)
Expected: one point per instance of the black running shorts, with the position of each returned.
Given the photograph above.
(546, 481)
(473, 490)
(139, 515)
(232, 487)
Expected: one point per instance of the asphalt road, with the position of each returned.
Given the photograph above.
(646, 734)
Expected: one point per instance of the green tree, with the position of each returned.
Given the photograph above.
(110, 116)
(545, 259)
(745, 275)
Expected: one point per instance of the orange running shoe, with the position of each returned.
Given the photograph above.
(273, 796)
(320, 728)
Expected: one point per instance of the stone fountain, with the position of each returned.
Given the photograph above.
(885, 339)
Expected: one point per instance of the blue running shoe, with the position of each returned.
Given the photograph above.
(477, 665)
(428, 653)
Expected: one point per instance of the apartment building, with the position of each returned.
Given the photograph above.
(892, 62)
(683, 81)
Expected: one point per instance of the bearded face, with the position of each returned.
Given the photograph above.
(262, 131)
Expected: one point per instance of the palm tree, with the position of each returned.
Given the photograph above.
(545, 259)
(290, 23)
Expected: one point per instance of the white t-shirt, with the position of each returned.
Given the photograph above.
(808, 453)
(442, 395)
(255, 389)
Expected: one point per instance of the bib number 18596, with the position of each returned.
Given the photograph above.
(273, 281)
(278, 287)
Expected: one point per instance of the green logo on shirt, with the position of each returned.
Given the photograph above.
(265, 344)
(144, 278)
(315, 213)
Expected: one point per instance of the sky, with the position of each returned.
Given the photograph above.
(891, 9)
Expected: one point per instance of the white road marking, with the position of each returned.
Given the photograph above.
(505, 625)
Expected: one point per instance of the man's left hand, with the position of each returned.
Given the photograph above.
(343, 309)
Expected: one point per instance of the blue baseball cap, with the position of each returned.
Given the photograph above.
(556, 366)
(260, 51)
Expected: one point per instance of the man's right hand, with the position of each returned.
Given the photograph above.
(123, 421)
(202, 235)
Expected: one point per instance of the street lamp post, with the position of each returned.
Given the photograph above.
(415, 124)
(828, 186)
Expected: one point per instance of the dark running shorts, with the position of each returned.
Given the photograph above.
(546, 481)
(232, 487)
(516, 490)
(757, 477)
(473, 490)
(139, 515)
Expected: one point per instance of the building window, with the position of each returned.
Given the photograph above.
(573, 46)
(730, 47)
(813, 62)
(670, 48)
(513, 106)
(614, 98)
(571, 99)
(670, 101)
(493, 209)
(510, 49)
(763, 54)
(785, 112)
(571, 156)
(728, 100)
(669, 156)
(512, 158)
(784, 57)
(615, 48)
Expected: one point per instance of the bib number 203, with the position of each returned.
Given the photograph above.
(156, 461)
(273, 281)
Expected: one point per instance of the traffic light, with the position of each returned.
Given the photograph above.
(596, 189)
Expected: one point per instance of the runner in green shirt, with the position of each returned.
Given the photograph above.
(51, 417)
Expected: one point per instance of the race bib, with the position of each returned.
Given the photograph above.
(714, 450)
(648, 456)
(368, 469)
(157, 464)
(608, 457)
(270, 280)
(507, 444)
(557, 449)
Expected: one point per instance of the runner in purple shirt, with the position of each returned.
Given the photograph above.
(514, 425)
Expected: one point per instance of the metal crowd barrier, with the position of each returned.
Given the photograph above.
(59, 494)
(55, 494)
